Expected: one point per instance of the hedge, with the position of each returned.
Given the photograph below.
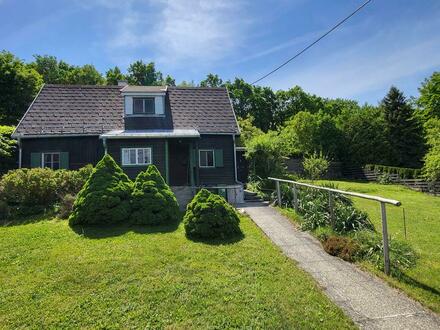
(402, 172)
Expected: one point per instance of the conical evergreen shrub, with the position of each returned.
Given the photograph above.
(210, 216)
(153, 202)
(105, 197)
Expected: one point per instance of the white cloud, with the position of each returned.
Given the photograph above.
(370, 65)
(172, 32)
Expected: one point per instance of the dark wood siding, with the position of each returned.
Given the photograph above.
(158, 153)
(82, 150)
(218, 175)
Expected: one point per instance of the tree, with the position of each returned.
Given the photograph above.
(48, 67)
(429, 100)
(113, 76)
(8, 147)
(153, 202)
(85, 75)
(169, 81)
(18, 84)
(294, 100)
(404, 132)
(105, 197)
(142, 74)
(365, 134)
(240, 93)
(212, 80)
(431, 169)
(185, 83)
(248, 131)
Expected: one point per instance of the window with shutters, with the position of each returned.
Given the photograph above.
(136, 156)
(50, 160)
(206, 158)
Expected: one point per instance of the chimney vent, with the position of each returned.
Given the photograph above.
(122, 83)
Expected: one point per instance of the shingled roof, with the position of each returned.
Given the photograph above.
(93, 110)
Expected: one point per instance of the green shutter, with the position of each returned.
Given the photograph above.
(218, 157)
(64, 160)
(36, 159)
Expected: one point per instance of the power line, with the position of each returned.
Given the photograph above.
(315, 42)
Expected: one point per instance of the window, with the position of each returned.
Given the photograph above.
(206, 158)
(143, 105)
(51, 160)
(136, 156)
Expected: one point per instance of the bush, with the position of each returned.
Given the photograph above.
(31, 190)
(66, 206)
(153, 202)
(402, 172)
(431, 169)
(402, 255)
(105, 197)
(210, 216)
(5, 211)
(342, 247)
(315, 165)
(8, 149)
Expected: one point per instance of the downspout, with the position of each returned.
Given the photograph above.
(104, 143)
(19, 152)
(235, 160)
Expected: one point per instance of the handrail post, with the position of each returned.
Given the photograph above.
(279, 193)
(386, 254)
(331, 200)
(295, 197)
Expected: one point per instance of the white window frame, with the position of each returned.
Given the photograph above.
(143, 98)
(51, 153)
(213, 158)
(137, 163)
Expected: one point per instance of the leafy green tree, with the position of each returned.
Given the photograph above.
(18, 85)
(209, 216)
(185, 83)
(153, 202)
(105, 197)
(240, 93)
(429, 100)
(431, 169)
(266, 155)
(112, 76)
(404, 132)
(48, 67)
(169, 81)
(248, 130)
(144, 74)
(8, 147)
(85, 75)
(294, 100)
(212, 80)
(365, 136)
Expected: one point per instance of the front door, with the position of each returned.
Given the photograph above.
(178, 163)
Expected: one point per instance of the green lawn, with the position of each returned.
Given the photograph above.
(54, 277)
(423, 233)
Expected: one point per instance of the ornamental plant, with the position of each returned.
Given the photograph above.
(153, 202)
(210, 216)
(105, 197)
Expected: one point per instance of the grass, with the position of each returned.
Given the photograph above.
(423, 233)
(143, 277)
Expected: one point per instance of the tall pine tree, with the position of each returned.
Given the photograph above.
(404, 132)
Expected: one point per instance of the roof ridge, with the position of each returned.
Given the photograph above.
(196, 87)
(82, 86)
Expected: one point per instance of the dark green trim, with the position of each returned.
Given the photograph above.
(191, 164)
(167, 167)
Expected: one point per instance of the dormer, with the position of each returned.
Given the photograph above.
(144, 101)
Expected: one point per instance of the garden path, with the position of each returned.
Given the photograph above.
(369, 301)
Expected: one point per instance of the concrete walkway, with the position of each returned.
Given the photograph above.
(369, 301)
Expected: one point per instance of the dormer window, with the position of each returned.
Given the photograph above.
(143, 105)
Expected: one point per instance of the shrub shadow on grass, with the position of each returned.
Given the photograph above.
(415, 283)
(113, 230)
(217, 241)
(28, 219)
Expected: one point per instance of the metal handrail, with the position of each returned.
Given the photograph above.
(349, 193)
(381, 200)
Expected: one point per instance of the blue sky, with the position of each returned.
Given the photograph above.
(389, 42)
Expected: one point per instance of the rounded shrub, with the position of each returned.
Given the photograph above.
(210, 216)
(342, 247)
(153, 202)
(105, 197)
